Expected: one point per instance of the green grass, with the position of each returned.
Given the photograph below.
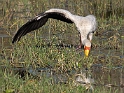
(34, 51)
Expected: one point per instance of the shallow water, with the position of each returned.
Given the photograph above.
(97, 77)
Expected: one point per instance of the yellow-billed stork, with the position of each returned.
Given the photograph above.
(85, 25)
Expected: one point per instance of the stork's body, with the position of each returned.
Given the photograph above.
(85, 25)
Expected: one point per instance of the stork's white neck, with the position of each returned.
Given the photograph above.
(86, 42)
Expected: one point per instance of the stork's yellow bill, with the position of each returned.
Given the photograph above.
(86, 51)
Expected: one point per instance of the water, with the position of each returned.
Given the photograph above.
(97, 76)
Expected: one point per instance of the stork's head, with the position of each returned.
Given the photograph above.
(87, 46)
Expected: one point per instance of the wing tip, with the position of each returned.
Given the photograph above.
(14, 40)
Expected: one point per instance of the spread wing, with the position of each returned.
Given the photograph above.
(39, 21)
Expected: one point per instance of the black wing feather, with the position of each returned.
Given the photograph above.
(28, 27)
(37, 23)
(58, 16)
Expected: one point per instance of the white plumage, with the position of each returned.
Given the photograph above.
(85, 25)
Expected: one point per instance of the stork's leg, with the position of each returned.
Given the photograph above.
(80, 45)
